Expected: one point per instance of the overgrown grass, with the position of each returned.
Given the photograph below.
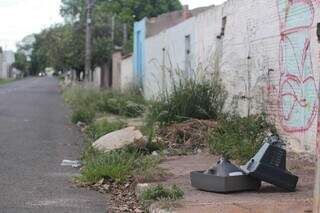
(200, 99)
(102, 127)
(160, 192)
(118, 166)
(85, 103)
(5, 81)
(238, 138)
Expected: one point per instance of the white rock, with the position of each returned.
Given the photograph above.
(154, 153)
(141, 187)
(118, 139)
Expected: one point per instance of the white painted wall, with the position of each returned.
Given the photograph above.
(97, 77)
(253, 29)
(126, 72)
(165, 53)
(261, 70)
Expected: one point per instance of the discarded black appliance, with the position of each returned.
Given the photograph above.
(224, 178)
(268, 165)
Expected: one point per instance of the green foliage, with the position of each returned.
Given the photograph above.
(86, 102)
(238, 138)
(82, 103)
(123, 12)
(117, 165)
(82, 114)
(200, 99)
(60, 46)
(160, 192)
(102, 127)
(4, 81)
(126, 104)
(21, 62)
(78, 96)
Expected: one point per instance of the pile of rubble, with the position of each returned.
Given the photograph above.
(190, 134)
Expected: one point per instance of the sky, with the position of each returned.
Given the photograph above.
(19, 18)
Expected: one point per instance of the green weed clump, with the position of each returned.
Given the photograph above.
(82, 102)
(238, 138)
(160, 192)
(83, 114)
(86, 102)
(121, 104)
(198, 99)
(118, 166)
(102, 127)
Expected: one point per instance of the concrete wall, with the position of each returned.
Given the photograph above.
(7, 58)
(270, 63)
(97, 77)
(167, 59)
(126, 72)
(267, 59)
(139, 50)
(116, 70)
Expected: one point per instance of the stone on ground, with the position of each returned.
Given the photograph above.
(118, 139)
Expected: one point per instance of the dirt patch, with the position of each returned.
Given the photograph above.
(269, 199)
(189, 135)
(123, 198)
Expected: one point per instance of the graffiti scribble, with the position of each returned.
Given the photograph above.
(298, 102)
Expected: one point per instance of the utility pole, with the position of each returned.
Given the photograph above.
(88, 45)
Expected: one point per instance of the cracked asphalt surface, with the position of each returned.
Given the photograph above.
(35, 136)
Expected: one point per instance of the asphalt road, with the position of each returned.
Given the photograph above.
(35, 136)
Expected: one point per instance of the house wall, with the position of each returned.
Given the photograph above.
(97, 77)
(116, 70)
(164, 62)
(270, 63)
(6, 60)
(267, 59)
(139, 50)
(166, 58)
(126, 72)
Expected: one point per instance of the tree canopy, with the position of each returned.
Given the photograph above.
(63, 46)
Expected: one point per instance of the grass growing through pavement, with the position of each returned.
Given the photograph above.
(199, 99)
(4, 81)
(85, 103)
(159, 193)
(238, 138)
(118, 166)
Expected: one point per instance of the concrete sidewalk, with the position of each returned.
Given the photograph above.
(268, 200)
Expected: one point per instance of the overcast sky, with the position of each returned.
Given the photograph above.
(19, 18)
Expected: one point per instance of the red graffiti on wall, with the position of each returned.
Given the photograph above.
(298, 101)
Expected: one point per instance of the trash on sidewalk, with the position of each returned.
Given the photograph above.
(224, 178)
(72, 163)
(268, 165)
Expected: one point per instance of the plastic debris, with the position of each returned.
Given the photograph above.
(72, 163)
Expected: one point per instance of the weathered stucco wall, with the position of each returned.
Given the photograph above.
(270, 63)
(126, 72)
(165, 57)
(268, 60)
(6, 60)
(116, 70)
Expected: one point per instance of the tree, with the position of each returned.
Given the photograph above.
(21, 62)
(117, 12)
(62, 46)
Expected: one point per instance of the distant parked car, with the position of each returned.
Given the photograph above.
(41, 74)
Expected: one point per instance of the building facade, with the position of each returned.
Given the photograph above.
(266, 53)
